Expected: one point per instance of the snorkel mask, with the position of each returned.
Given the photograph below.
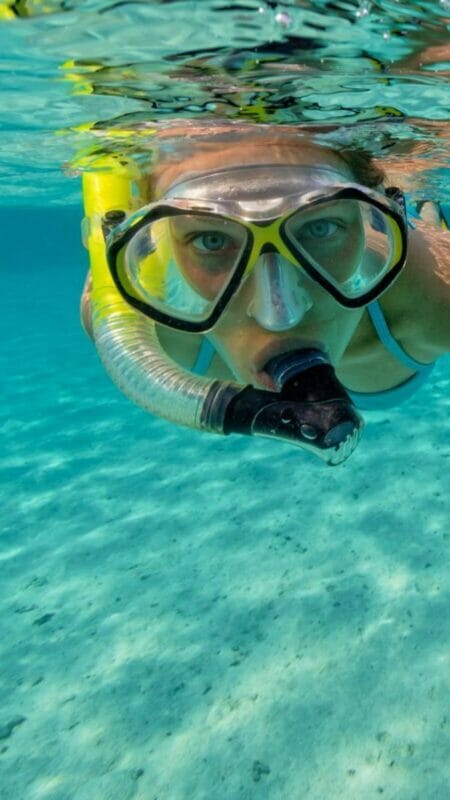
(180, 261)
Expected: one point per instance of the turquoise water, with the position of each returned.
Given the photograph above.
(185, 616)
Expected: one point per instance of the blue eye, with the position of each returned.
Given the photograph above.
(318, 229)
(210, 242)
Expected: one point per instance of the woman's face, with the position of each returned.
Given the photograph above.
(244, 343)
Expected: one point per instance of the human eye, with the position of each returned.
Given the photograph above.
(319, 229)
(207, 244)
(210, 242)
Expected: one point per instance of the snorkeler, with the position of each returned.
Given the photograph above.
(284, 273)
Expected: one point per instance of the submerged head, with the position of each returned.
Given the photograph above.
(274, 240)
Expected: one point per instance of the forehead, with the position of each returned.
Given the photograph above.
(208, 155)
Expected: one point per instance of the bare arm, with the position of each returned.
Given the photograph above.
(430, 271)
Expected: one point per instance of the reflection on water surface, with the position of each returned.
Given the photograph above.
(95, 73)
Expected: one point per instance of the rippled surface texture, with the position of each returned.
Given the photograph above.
(73, 71)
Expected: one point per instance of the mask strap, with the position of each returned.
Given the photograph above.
(396, 194)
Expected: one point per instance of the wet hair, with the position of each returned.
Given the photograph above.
(184, 140)
(366, 171)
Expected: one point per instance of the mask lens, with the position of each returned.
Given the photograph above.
(352, 243)
(182, 264)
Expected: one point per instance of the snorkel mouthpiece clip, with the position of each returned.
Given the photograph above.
(312, 409)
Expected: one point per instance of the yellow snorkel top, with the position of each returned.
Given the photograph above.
(113, 184)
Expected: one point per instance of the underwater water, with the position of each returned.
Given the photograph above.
(186, 616)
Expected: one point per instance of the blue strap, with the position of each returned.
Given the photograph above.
(393, 347)
(444, 213)
(364, 400)
(372, 401)
(379, 401)
(204, 357)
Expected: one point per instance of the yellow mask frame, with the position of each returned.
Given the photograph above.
(267, 235)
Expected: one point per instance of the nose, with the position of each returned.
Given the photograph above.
(280, 300)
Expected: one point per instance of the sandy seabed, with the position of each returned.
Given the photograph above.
(185, 617)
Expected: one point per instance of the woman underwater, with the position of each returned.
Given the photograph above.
(284, 272)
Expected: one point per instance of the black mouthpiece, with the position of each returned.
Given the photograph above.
(311, 408)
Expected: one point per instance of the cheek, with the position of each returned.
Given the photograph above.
(235, 317)
(208, 284)
(342, 330)
(231, 334)
(235, 336)
(353, 252)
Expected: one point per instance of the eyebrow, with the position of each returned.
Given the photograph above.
(329, 208)
(202, 222)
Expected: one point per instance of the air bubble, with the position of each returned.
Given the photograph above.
(364, 9)
(283, 18)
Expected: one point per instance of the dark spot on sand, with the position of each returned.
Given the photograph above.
(36, 581)
(42, 620)
(258, 770)
(6, 730)
(25, 609)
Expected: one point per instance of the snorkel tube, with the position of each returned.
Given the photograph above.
(311, 408)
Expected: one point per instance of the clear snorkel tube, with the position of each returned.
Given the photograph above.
(127, 341)
(311, 409)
